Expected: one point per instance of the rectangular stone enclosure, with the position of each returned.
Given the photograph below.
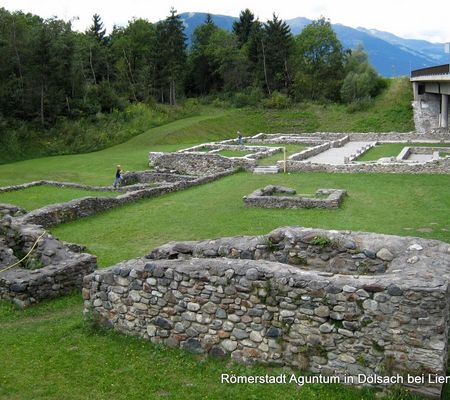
(250, 298)
(52, 269)
(273, 196)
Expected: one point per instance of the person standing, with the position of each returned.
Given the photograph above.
(240, 140)
(118, 176)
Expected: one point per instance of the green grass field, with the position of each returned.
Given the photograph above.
(49, 352)
(39, 196)
(216, 209)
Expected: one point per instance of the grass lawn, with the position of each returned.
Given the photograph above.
(39, 196)
(385, 203)
(393, 150)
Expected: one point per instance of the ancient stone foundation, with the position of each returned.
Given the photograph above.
(197, 163)
(325, 301)
(72, 210)
(441, 166)
(53, 268)
(273, 196)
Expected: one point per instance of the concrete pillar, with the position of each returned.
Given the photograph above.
(444, 110)
(416, 90)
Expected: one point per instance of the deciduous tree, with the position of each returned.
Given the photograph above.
(319, 60)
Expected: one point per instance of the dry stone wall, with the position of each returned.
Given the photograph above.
(257, 151)
(266, 311)
(11, 210)
(301, 138)
(197, 163)
(439, 166)
(55, 214)
(139, 177)
(26, 185)
(58, 269)
(271, 196)
(382, 137)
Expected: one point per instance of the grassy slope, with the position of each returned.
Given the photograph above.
(391, 111)
(99, 167)
(23, 140)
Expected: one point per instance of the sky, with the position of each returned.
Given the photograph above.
(405, 18)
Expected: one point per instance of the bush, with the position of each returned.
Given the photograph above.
(219, 103)
(359, 105)
(277, 100)
(249, 97)
(191, 103)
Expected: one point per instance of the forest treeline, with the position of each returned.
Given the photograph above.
(48, 70)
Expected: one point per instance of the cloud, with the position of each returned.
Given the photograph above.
(401, 17)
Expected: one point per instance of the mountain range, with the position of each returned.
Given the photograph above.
(389, 54)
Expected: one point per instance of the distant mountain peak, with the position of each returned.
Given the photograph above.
(389, 54)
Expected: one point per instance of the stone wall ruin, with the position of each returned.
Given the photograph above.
(271, 196)
(440, 166)
(54, 214)
(196, 160)
(250, 298)
(53, 268)
(196, 163)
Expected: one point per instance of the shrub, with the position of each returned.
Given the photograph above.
(321, 241)
(360, 105)
(248, 97)
(277, 100)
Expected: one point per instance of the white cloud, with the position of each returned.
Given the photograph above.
(406, 18)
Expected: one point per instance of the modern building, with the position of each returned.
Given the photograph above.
(431, 91)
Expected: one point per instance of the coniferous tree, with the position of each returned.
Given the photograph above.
(98, 51)
(276, 49)
(243, 28)
(254, 52)
(202, 76)
(171, 54)
(134, 51)
(97, 29)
